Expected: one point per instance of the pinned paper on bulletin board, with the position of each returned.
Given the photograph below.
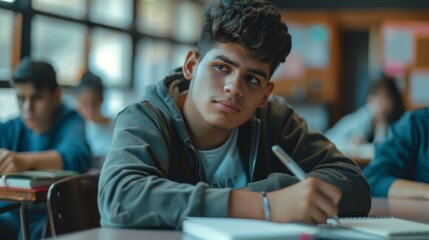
(398, 46)
(405, 45)
(310, 50)
(419, 84)
(293, 68)
(317, 49)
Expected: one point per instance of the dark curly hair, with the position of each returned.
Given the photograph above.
(254, 24)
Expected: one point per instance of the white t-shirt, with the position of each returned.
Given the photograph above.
(99, 137)
(222, 165)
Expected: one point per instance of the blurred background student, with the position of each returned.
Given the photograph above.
(99, 128)
(401, 167)
(47, 135)
(356, 133)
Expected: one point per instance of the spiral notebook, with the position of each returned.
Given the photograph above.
(387, 227)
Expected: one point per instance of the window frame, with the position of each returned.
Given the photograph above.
(25, 10)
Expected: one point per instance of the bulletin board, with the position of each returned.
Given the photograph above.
(406, 56)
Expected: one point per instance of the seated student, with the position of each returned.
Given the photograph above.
(99, 129)
(199, 143)
(47, 135)
(401, 167)
(358, 131)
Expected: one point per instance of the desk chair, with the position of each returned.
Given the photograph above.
(72, 204)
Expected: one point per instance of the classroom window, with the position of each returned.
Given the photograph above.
(117, 13)
(101, 36)
(69, 8)
(187, 21)
(151, 59)
(8, 104)
(110, 56)
(61, 43)
(179, 54)
(155, 17)
(156, 59)
(6, 43)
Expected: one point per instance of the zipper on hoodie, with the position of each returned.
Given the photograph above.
(198, 161)
(254, 145)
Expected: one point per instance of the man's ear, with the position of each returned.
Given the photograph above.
(190, 64)
(267, 94)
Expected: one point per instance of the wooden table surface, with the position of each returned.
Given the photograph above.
(410, 209)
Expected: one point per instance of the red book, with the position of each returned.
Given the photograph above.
(20, 194)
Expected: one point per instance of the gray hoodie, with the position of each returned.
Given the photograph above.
(153, 177)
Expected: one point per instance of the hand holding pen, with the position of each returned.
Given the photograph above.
(322, 198)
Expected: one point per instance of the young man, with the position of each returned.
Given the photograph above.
(199, 144)
(401, 167)
(47, 135)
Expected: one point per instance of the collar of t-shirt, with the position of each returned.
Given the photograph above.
(222, 165)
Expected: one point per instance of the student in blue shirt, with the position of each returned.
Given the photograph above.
(401, 164)
(47, 135)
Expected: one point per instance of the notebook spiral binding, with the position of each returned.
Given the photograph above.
(367, 217)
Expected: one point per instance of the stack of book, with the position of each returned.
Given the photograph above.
(30, 185)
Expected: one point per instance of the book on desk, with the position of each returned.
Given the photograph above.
(22, 194)
(33, 179)
(350, 228)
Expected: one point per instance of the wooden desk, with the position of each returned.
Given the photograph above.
(24, 197)
(122, 233)
(362, 154)
(415, 210)
(410, 209)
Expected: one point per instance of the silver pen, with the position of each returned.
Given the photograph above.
(298, 172)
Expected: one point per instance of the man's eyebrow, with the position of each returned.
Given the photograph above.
(235, 64)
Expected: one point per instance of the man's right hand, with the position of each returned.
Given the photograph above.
(310, 201)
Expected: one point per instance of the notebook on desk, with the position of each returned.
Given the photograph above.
(240, 229)
(352, 228)
(33, 178)
(388, 227)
